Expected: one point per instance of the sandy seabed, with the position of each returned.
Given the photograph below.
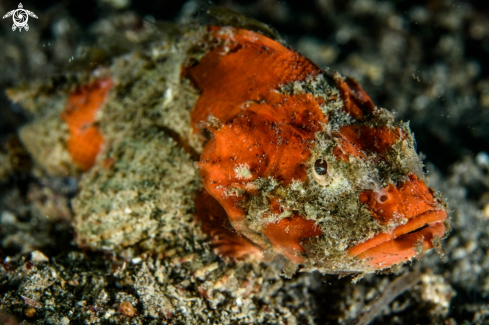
(424, 61)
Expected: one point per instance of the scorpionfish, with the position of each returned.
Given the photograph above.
(301, 163)
(296, 162)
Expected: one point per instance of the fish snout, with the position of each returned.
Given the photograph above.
(421, 218)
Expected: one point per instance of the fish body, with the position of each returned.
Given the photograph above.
(294, 161)
(301, 163)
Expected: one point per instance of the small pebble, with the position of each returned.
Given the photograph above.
(485, 211)
(30, 312)
(37, 256)
(127, 309)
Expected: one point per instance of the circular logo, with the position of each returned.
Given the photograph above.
(20, 18)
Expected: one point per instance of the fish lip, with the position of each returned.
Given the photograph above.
(383, 246)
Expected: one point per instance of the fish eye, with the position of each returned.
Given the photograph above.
(320, 172)
(321, 167)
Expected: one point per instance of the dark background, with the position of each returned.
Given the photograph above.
(427, 61)
(445, 131)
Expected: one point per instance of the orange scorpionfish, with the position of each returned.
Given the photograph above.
(302, 163)
(297, 162)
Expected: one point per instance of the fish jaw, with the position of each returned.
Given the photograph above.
(420, 218)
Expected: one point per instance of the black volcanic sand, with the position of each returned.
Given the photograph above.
(423, 60)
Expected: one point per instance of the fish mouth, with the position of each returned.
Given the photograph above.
(404, 242)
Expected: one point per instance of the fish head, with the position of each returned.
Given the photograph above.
(302, 164)
(364, 205)
(368, 189)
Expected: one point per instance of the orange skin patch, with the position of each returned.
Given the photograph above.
(286, 236)
(428, 218)
(408, 200)
(356, 140)
(270, 133)
(411, 200)
(356, 101)
(402, 248)
(248, 67)
(85, 140)
(215, 223)
(269, 144)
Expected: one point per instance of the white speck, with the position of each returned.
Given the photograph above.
(37, 256)
(167, 97)
(7, 217)
(109, 313)
(482, 159)
(243, 171)
(82, 303)
(136, 260)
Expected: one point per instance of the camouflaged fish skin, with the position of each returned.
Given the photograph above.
(293, 161)
(303, 163)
